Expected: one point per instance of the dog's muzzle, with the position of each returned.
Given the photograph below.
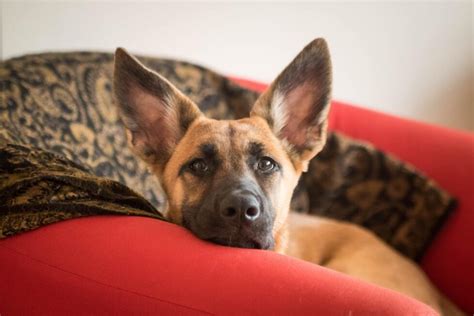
(237, 215)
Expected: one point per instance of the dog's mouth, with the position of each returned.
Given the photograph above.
(236, 239)
(243, 243)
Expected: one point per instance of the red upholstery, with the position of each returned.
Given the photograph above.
(134, 265)
(443, 154)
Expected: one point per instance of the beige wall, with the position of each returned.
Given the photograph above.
(413, 59)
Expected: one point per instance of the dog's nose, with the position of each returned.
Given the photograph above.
(239, 205)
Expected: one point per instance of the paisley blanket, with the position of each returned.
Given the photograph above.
(63, 154)
(39, 188)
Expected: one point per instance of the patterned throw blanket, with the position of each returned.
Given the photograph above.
(63, 154)
(39, 188)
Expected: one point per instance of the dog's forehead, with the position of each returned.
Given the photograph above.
(235, 135)
(212, 126)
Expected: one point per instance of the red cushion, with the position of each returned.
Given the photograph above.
(125, 265)
(443, 154)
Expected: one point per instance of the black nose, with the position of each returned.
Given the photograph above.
(240, 205)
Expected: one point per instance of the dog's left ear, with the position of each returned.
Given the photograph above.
(296, 104)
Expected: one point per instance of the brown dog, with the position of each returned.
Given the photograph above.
(231, 182)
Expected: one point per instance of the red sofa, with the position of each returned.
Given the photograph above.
(125, 265)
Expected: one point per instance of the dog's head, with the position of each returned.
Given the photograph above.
(230, 182)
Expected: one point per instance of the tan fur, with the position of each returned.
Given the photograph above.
(352, 250)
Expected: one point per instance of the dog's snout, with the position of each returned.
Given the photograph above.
(240, 206)
(236, 213)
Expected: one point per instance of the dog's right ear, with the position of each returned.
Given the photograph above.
(296, 104)
(155, 113)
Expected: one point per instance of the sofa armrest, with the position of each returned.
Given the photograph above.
(443, 154)
(137, 265)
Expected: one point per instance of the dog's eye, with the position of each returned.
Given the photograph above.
(266, 164)
(198, 166)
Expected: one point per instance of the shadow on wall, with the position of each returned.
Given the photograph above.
(455, 103)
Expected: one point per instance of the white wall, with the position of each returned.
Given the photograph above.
(412, 59)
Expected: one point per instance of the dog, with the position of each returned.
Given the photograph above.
(231, 181)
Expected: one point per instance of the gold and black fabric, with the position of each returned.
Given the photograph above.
(59, 106)
(353, 181)
(39, 188)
